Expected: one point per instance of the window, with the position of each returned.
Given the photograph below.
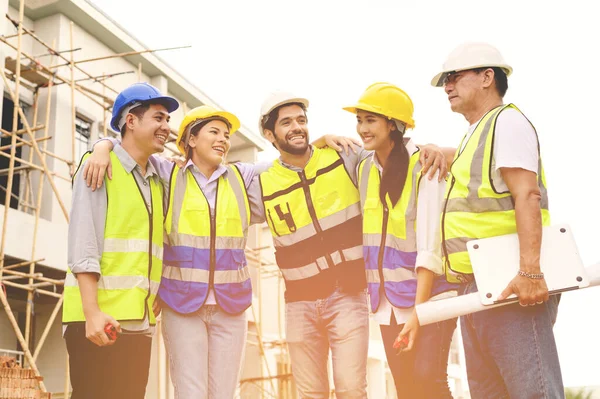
(7, 124)
(83, 129)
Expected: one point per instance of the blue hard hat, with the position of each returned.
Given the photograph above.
(142, 92)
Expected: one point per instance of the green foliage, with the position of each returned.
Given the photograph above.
(580, 393)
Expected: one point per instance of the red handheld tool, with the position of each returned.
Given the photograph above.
(401, 344)
(110, 331)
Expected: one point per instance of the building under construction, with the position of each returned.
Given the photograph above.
(64, 61)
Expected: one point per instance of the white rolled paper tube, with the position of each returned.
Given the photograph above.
(445, 309)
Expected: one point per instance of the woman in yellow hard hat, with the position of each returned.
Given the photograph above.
(401, 243)
(205, 287)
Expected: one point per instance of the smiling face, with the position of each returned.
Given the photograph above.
(291, 130)
(211, 143)
(150, 130)
(374, 130)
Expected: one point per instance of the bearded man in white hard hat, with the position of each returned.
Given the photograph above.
(312, 205)
(497, 187)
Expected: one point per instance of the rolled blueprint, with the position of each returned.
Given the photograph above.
(444, 309)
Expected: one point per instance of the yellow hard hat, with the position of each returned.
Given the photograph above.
(202, 113)
(387, 100)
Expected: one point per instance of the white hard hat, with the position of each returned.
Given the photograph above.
(275, 100)
(471, 56)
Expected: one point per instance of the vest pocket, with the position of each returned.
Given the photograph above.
(176, 259)
(281, 219)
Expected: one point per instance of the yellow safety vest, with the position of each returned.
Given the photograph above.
(474, 209)
(314, 217)
(390, 238)
(205, 250)
(131, 263)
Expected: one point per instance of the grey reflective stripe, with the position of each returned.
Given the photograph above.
(300, 234)
(458, 244)
(364, 180)
(544, 193)
(351, 211)
(113, 282)
(177, 201)
(314, 268)
(300, 273)
(391, 275)
(232, 276)
(238, 191)
(373, 276)
(477, 162)
(473, 203)
(154, 285)
(202, 276)
(187, 240)
(479, 205)
(374, 240)
(131, 245)
(411, 214)
(348, 254)
(327, 222)
(186, 274)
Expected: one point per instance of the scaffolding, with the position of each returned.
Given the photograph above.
(40, 75)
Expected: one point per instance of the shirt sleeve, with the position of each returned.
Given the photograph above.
(429, 209)
(113, 140)
(352, 160)
(163, 167)
(257, 208)
(251, 170)
(515, 142)
(86, 227)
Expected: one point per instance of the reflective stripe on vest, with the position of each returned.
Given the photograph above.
(205, 250)
(389, 238)
(474, 209)
(314, 268)
(303, 206)
(131, 262)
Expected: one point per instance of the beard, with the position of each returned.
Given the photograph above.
(285, 146)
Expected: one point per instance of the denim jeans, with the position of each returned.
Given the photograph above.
(421, 373)
(339, 322)
(511, 352)
(205, 350)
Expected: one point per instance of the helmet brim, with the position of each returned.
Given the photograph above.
(229, 117)
(438, 80)
(169, 103)
(295, 100)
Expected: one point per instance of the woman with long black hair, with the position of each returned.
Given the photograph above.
(401, 243)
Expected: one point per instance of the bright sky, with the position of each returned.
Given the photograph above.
(330, 51)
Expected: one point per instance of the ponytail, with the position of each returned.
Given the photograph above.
(395, 171)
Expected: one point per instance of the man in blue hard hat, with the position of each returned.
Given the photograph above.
(115, 255)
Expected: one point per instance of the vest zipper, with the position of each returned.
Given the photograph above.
(386, 214)
(313, 214)
(150, 223)
(444, 247)
(213, 233)
(213, 239)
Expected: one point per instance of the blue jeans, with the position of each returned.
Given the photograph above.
(205, 350)
(339, 322)
(422, 372)
(511, 352)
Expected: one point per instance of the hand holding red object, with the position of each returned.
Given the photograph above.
(111, 332)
